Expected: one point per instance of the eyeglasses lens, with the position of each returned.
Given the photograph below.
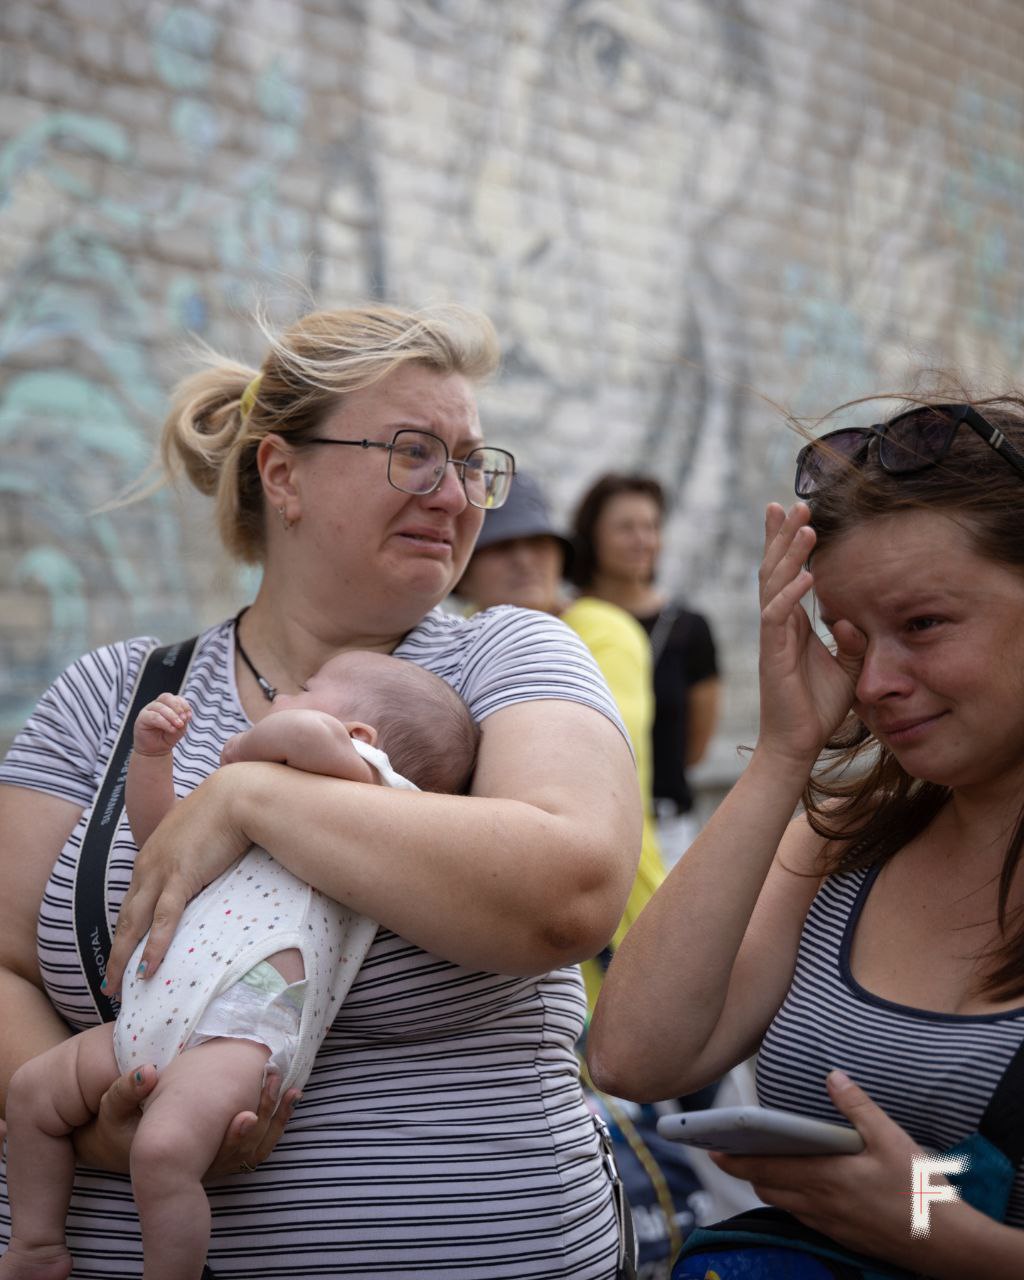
(487, 476)
(417, 461)
(822, 460)
(915, 440)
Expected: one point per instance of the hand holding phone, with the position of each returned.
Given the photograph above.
(761, 1131)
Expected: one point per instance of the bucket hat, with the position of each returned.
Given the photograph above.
(524, 515)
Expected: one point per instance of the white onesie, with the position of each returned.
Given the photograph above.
(213, 980)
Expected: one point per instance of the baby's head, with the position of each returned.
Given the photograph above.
(422, 724)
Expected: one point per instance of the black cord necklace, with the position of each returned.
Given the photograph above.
(269, 692)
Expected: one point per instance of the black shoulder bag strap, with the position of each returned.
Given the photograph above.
(628, 1245)
(163, 671)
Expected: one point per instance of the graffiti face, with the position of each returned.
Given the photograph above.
(99, 293)
(584, 178)
(661, 203)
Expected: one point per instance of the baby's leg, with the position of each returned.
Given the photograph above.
(49, 1096)
(182, 1127)
(288, 964)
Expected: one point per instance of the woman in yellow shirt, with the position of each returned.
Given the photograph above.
(521, 559)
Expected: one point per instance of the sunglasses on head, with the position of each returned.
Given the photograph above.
(912, 441)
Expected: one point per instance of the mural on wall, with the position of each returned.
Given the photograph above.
(678, 212)
(83, 387)
(77, 398)
(982, 191)
(588, 175)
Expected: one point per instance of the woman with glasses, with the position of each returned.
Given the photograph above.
(872, 949)
(442, 1129)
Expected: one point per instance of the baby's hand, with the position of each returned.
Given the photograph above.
(161, 725)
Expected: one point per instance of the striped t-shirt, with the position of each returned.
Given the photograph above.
(933, 1073)
(442, 1132)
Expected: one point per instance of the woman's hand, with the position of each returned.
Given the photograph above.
(253, 1135)
(106, 1141)
(197, 841)
(805, 691)
(862, 1201)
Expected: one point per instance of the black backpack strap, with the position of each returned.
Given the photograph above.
(163, 671)
(1003, 1121)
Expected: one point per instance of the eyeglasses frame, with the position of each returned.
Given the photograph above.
(958, 413)
(459, 463)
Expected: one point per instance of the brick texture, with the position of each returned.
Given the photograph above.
(679, 213)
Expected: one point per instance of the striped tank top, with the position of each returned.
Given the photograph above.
(933, 1073)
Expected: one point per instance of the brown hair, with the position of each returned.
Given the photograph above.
(219, 415)
(874, 808)
(584, 565)
(421, 722)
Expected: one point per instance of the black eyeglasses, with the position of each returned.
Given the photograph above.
(417, 459)
(912, 441)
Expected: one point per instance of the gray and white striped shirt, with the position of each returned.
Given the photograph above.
(442, 1132)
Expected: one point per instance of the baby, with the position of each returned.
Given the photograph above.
(253, 977)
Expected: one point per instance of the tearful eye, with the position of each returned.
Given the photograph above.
(412, 453)
(605, 59)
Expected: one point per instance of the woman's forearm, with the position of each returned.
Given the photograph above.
(494, 884)
(698, 978)
(28, 1026)
(965, 1242)
(531, 871)
(961, 1241)
(674, 1007)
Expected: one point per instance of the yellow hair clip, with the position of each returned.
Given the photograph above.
(249, 395)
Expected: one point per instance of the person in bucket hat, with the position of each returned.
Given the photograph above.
(521, 558)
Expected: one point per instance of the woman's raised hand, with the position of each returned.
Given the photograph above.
(806, 691)
(192, 846)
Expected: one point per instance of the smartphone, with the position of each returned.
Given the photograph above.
(759, 1131)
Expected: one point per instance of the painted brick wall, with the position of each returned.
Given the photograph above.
(676, 211)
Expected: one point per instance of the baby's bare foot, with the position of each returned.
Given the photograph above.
(35, 1262)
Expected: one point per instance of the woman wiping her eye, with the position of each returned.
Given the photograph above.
(871, 950)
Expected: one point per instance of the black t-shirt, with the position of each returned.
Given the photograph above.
(687, 658)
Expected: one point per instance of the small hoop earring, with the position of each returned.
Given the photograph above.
(286, 523)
